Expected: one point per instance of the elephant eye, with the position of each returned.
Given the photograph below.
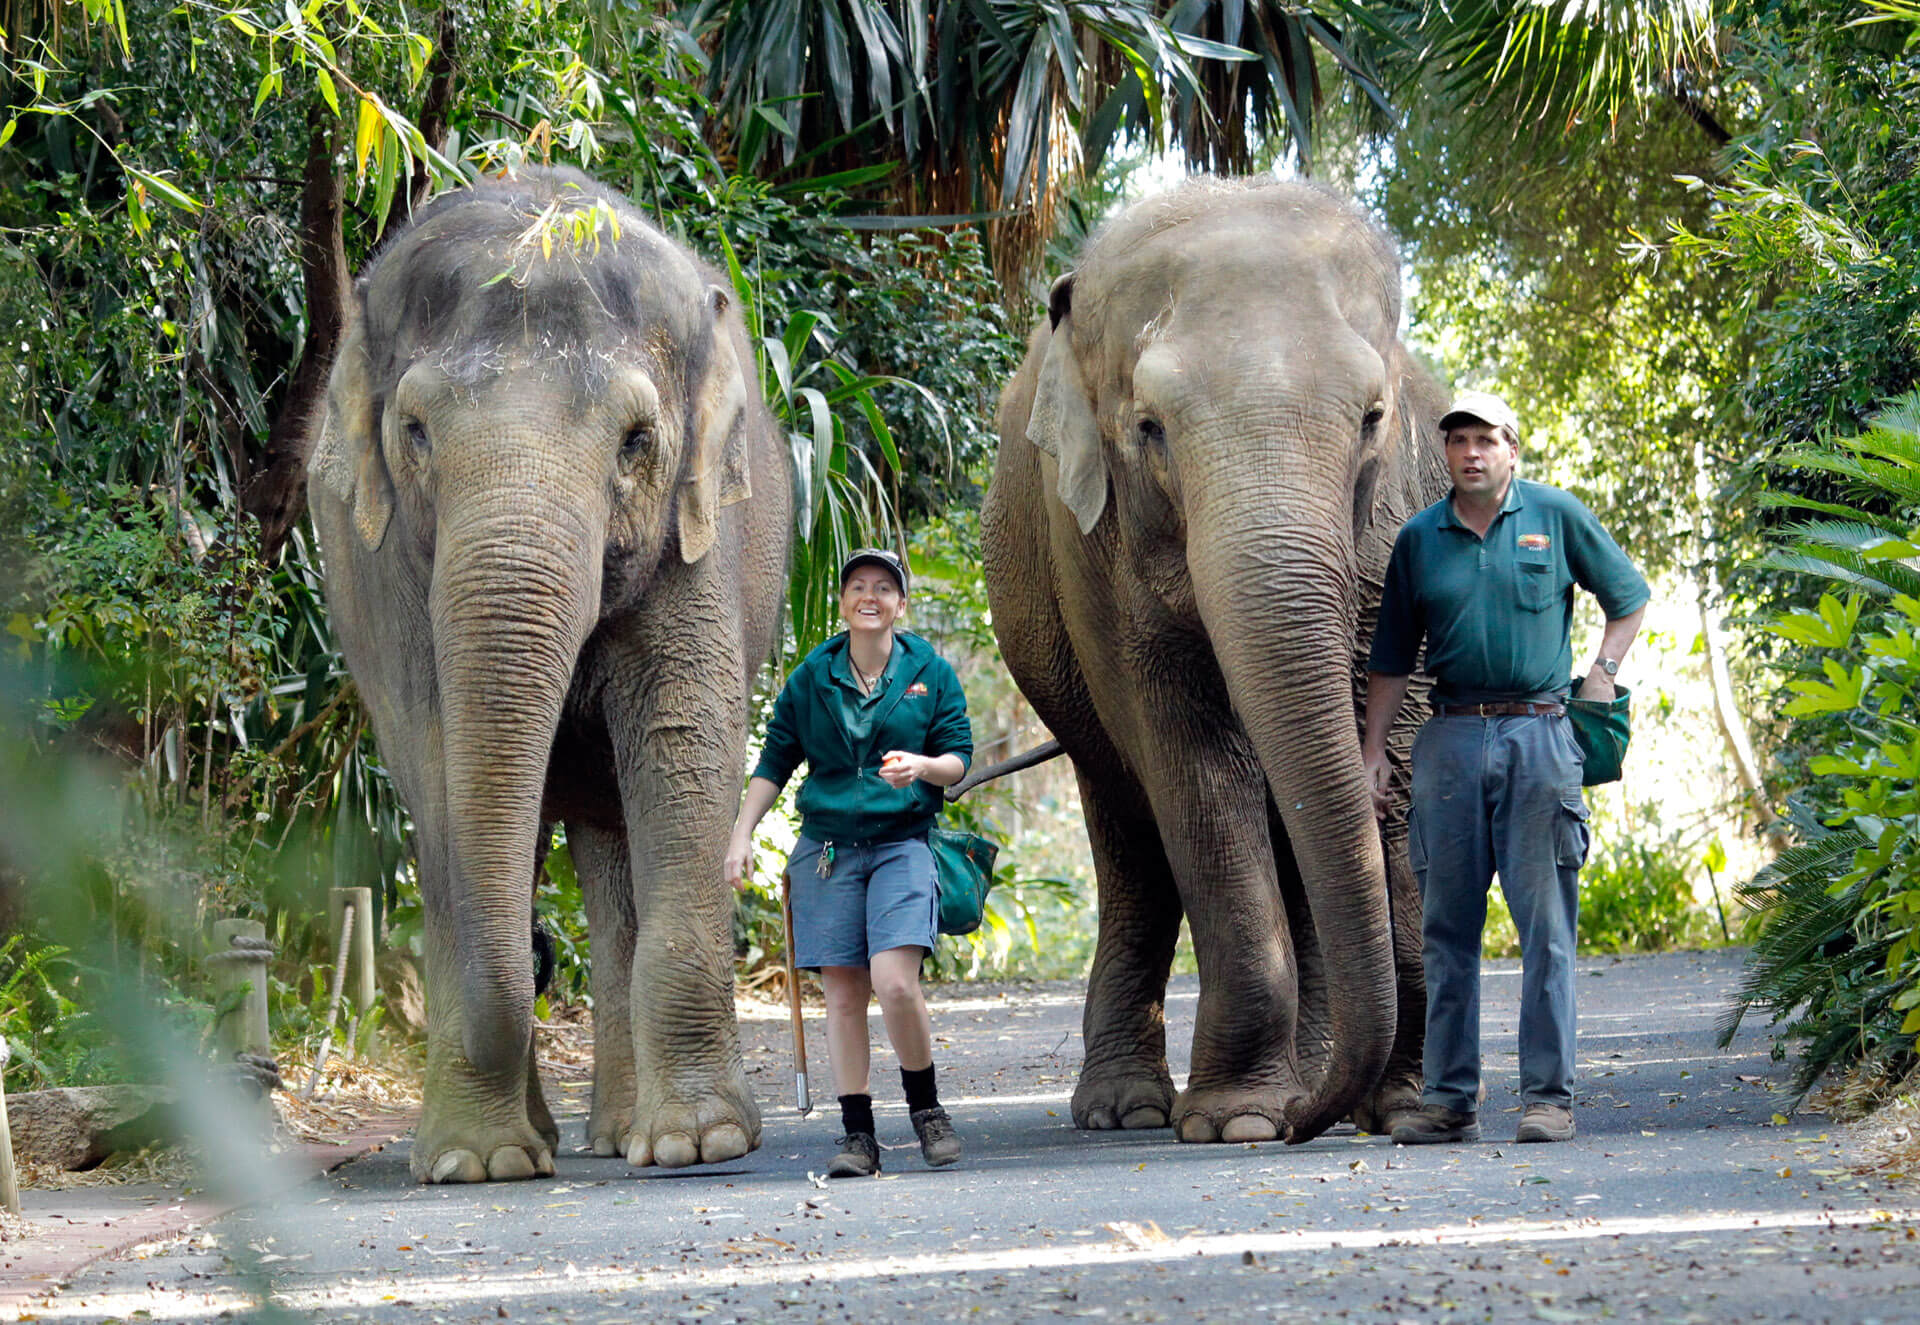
(417, 435)
(639, 439)
(1152, 433)
(1371, 419)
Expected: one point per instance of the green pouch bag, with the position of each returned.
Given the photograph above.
(1603, 730)
(963, 872)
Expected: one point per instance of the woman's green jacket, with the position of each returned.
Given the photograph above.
(823, 717)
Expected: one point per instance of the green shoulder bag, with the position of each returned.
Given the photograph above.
(963, 871)
(1602, 729)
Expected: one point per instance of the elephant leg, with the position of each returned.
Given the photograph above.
(680, 753)
(539, 1116)
(1211, 807)
(474, 1124)
(606, 883)
(1124, 1080)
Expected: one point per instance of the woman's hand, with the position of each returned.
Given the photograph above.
(899, 767)
(738, 864)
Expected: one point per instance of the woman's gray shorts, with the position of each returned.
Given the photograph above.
(876, 896)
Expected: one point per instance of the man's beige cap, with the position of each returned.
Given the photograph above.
(1481, 405)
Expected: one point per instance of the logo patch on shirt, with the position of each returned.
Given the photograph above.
(1536, 542)
(917, 688)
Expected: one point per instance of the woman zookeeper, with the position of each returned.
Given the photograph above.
(881, 722)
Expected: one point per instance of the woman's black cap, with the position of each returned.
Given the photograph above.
(875, 556)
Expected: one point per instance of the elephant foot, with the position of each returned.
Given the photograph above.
(608, 1135)
(712, 1129)
(1221, 1114)
(509, 1161)
(541, 1119)
(1113, 1100)
(507, 1164)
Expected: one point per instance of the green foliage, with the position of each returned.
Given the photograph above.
(558, 904)
(54, 1040)
(1837, 918)
(1532, 77)
(1635, 893)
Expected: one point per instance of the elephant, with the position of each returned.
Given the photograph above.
(1203, 460)
(554, 513)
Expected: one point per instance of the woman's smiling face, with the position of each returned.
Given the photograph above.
(870, 599)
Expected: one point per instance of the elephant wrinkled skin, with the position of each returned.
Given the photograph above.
(1203, 461)
(555, 512)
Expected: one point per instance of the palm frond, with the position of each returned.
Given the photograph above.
(1882, 579)
(1536, 73)
(1773, 499)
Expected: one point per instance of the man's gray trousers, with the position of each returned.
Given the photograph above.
(1498, 795)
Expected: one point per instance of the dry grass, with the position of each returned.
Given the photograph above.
(349, 1096)
(14, 1228)
(1882, 1119)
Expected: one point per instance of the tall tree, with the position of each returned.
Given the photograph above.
(988, 108)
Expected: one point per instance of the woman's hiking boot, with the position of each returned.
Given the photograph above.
(938, 1141)
(859, 1157)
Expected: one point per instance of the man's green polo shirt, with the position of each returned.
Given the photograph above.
(823, 718)
(1497, 613)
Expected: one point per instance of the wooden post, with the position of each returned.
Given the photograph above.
(240, 953)
(9, 1185)
(360, 983)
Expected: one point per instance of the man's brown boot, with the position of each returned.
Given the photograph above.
(1545, 1122)
(1433, 1124)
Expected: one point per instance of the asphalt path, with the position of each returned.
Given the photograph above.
(1686, 1196)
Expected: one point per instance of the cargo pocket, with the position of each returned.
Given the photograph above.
(1570, 851)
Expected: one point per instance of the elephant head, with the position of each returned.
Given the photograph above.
(1232, 423)
(523, 431)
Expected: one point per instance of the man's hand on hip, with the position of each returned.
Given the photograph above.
(1598, 686)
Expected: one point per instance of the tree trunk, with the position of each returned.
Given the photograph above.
(1726, 707)
(277, 495)
(1726, 710)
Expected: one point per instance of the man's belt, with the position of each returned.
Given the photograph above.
(1502, 709)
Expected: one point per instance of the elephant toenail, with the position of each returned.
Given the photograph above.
(458, 1166)
(508, 1164)
(1198, 1129)
(675, 1150)
(726, 1141)
(1249, 1127)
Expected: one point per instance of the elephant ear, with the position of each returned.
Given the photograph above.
(1062, 423)
(347, 461)
(717, 473)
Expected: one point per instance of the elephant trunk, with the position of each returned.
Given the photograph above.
(510, 611)
(1277, 592)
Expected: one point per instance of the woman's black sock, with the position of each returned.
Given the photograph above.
(919, 1086)
(856, 1113)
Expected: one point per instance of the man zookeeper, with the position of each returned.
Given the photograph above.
(1485, 576)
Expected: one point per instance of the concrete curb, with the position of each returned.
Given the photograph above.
(77, 1226)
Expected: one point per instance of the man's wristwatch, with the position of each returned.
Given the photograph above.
(1611, 666)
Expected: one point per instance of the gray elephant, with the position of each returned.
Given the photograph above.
(1203, 461)
(555, 513)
